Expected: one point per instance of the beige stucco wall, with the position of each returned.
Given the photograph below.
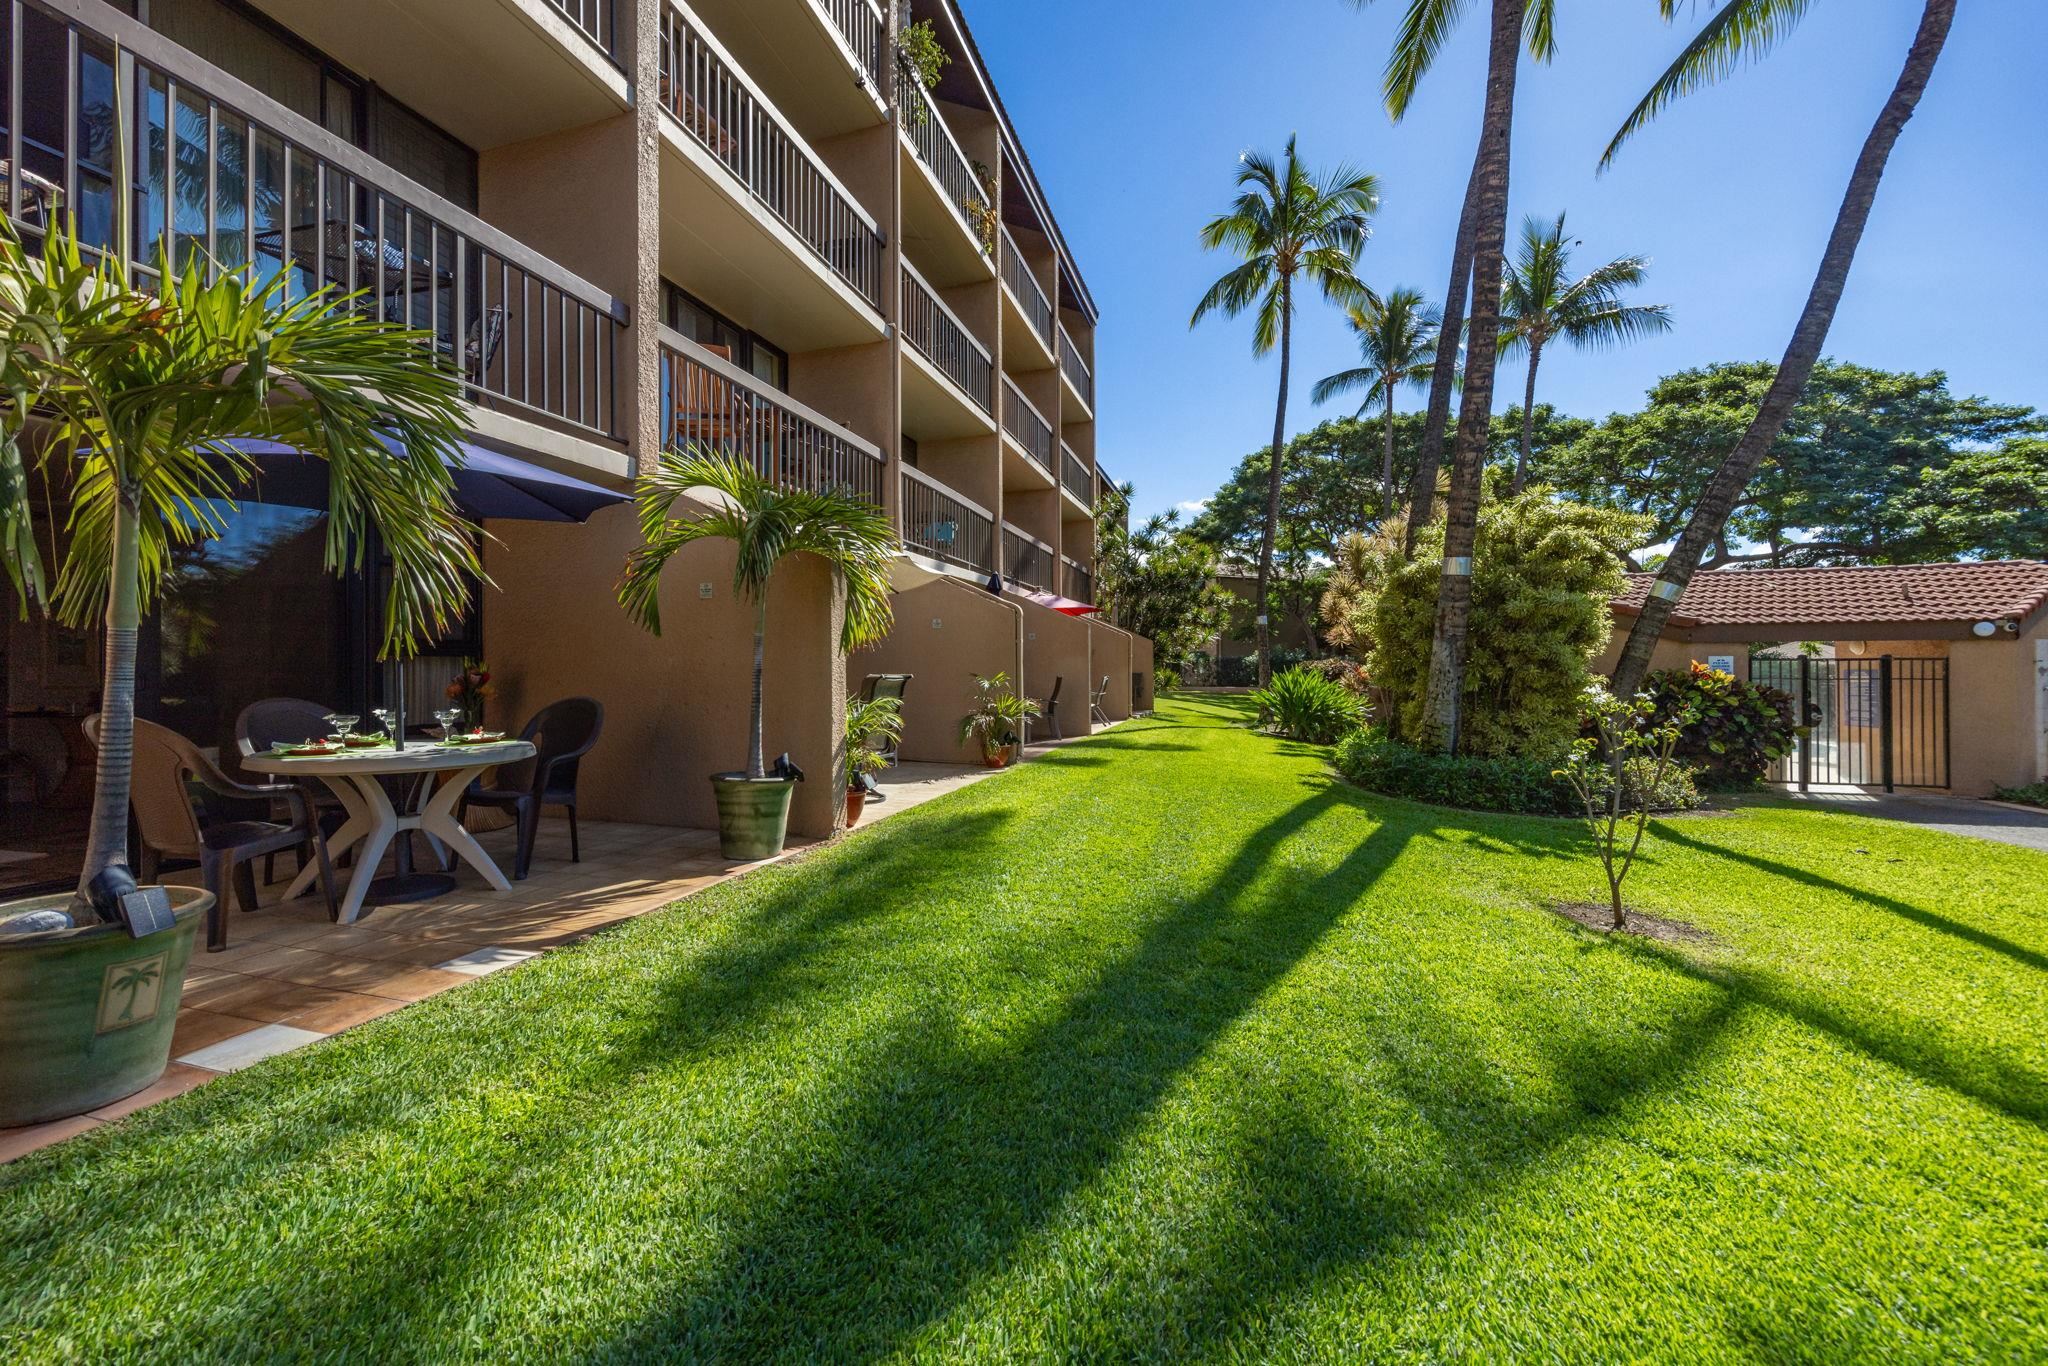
(1057, 646)
(1141, 664)
(1998, 722)
(1112, 656)
(676, 706)
(946, 632)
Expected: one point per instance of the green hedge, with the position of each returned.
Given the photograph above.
(1517, 786)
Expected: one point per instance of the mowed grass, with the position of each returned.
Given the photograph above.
(1167, 1045)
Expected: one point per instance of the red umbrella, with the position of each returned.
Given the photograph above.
(1060, 604)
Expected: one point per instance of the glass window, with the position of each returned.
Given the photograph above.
(415, 148)
(768, 364)
(244, 47)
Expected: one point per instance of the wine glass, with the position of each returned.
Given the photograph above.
(341, 724)
(448, 716)
(388, 719)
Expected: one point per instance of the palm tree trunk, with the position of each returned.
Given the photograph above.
(1387, 458)
(1452, 643)
(1710, 516)
(1265, 635)
(107, 843)
(757, 767)
(1528, 415)
(1422, 492)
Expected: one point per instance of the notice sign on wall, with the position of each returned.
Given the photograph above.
(1863, 698)
(1724, 663)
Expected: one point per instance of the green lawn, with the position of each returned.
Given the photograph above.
(1166, 1045)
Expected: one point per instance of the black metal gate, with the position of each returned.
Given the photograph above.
(1880, 722)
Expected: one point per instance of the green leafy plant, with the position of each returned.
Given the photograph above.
(1736, 730)
(1166, 680)
(867, 721)
(1505, 783)
(1338, 669)
(2030, 794)
(768, 524)
(999, 714)
(921, 54)
(1301, 704)
(1633, 744)
(146, 394)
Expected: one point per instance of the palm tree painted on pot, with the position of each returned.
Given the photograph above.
(1743, 30)
(1542, 303)
(139, 399)
(1397, 336)
(1290, 227)
(767, 524)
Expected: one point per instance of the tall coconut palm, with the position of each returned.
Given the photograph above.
(1289, 225)
(1542, 303)
(1743, 30)
(139, 399)
(767, 524)
(1396, 340)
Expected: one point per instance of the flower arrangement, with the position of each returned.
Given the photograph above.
(469, 690)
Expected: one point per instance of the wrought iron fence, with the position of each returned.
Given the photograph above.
(1076, 477)
(1076, 370)
(941, 338)
(940, 153)
(599, 20)
(1880, 722)
(944, 525)
(1025, 425)
(860, 23)
(1025, 287)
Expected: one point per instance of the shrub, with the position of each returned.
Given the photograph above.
(1505, 783)
(1240, 672)
(1737, 731)
(2032, 794)
(1677, 791)
(1616, 773)
(1303, 705)
(1337, 669)
(1165, 680)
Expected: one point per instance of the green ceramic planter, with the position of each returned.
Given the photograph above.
(86, 1014)
(753, 814)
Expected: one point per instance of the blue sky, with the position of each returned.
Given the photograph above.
(1135, 112)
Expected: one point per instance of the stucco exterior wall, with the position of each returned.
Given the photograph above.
(1057, 647)
(676, 706)
(946, 632)
(1112, 656)
(1999, 719)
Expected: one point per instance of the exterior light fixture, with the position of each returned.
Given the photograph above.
(1984, 630)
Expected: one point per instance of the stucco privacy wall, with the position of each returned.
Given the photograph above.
(1057, 646)
(946, 632)
(2000, 716)
(1112, 656)
(676, 706)
(1141, 665)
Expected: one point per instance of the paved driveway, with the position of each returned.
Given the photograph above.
(1957, 815)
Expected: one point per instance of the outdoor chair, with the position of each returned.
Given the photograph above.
(1095, 700)
(168, 768)
(886, 685)
(561, 733)
(295, 720)
(1051, 711)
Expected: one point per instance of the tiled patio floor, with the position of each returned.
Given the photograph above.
(289, 977)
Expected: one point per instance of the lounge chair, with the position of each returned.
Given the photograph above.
(1095, 701)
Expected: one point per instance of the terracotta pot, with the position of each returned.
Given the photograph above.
(856, 802)
(994, 758)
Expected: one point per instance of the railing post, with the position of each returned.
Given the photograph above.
(1885, 718)
(1806, 721)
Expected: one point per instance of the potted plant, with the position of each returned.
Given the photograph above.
(132, 402)
(767, 524)
(998, 719)
(869, 720)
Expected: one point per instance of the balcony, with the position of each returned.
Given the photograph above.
(1074, 370)
(1027, 313)
(820, 61)
(710, 404)
(941, 524)
(1080, 581)
(1076, 479)
(946, 209)
(948, 377)
(1027, 561)
(762, 229)
(234, 178)
(1030, 436)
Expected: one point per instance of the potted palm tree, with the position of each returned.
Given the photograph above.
(998, 719)
(127, 406)
(767, 524)
(868, 720)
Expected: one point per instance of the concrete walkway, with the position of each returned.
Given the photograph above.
(1957, 815)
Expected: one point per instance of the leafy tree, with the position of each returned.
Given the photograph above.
(1746, 30)
(1394, 335)
(1545, 570)
(1286, 223)
(1872, 466)
(1542, 303)
(1158, 581)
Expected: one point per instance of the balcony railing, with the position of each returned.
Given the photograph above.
(1076, 370)
(941, 154)
(860, 23)
(941, 338)
(1027, 560)
(220, 174)
(710, 404)
(716, 105)
(1080, 583)
(945, 526)
(1030, 297)
(599, 20)
(1074, 474)
(1026, 426)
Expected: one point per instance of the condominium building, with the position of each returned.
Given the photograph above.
(633, 225)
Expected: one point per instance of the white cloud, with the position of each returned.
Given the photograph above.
(1192, 506)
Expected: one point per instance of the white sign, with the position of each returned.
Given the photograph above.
(1724, 663)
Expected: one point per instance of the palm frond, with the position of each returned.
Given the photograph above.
(1740, 31)
(1615, 324)
(1344, 382)
(1425, 28)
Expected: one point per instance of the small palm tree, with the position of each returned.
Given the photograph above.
(1749, 29)
(141, 399)
(1541, 302)
(1287, 224)
(768, 524)
(1397, 341)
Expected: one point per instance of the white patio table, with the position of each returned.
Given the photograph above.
(375, 822)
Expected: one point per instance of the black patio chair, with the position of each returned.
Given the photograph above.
(294, 720)
(1051, 710)
(562, 733)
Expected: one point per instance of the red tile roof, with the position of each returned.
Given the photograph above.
(1988, 591)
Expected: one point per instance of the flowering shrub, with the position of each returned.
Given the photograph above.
(1735, 730)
